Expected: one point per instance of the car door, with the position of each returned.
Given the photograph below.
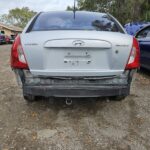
(144, 40)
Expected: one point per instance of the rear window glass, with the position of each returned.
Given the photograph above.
(81, 21)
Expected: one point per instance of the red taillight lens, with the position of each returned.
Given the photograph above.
(17, 55)
(134, 58)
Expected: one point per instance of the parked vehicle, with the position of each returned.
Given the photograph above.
(12, 38)
(143, 37)
(81, 54)
(133, 27)
(2, 39)
(7, 39)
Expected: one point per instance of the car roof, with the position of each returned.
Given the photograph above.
(147, 26)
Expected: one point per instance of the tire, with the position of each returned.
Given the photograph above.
(117, 98)
(29, 98)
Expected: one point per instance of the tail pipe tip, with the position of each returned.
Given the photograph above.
(68, 101)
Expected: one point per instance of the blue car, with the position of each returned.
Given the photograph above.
(133, 27)
(143, 37)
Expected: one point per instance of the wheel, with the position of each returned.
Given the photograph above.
(117, 98)
(29, 98)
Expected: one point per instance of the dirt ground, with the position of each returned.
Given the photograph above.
(86, 125)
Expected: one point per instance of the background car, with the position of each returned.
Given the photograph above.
(143, 37)
(2, 39)
(7, 39)
(133, 27)
(75, 54)
(12, 38)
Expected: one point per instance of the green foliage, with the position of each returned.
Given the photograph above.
(18, 17)
(71, 8)
(124, 10)
(94, 5)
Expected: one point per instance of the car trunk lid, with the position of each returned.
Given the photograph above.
(76, 53)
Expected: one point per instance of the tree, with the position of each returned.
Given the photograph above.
(71, 8)
(96, 5)
(124, 10)
(18, 16)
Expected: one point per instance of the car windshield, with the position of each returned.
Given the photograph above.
(81, 21)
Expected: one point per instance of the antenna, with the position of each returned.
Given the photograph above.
(74, 9)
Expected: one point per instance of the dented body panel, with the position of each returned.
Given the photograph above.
(74, 86)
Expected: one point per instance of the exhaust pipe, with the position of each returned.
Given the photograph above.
(68, 101)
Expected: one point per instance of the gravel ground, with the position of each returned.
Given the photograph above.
(86, 125)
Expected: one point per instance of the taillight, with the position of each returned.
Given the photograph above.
(18, 59)
(134, 58)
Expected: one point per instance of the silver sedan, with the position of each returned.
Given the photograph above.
(75, 54)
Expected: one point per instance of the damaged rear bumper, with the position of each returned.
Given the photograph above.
(70, 91)
(73, 87)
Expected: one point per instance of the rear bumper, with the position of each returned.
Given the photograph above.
(75, 87)
(97, 91)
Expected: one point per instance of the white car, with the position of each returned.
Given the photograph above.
(75, 54)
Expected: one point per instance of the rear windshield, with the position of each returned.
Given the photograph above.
(77, 21)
